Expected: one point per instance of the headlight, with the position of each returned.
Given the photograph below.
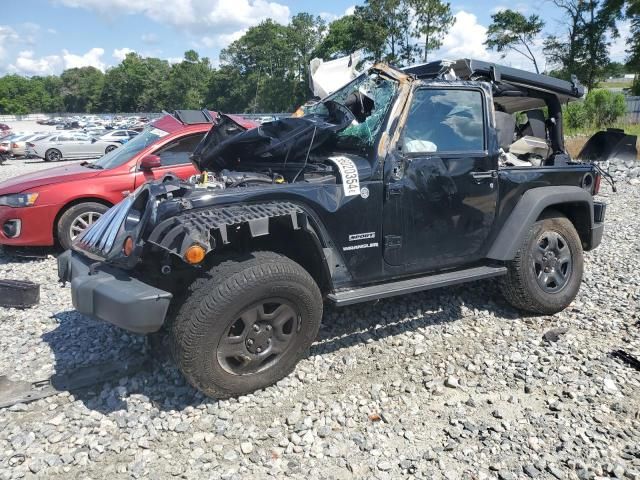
(19, 200)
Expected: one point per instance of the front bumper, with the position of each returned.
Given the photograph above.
(112, 295)
(36, 225)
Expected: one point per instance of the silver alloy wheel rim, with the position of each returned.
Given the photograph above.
(82, 222)
(552, 262)
(110, 148)
(53, 156)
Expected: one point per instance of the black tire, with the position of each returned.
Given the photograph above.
(539, 282)
(53, 155)
(209, 323)
(109, 148)
(70, 218)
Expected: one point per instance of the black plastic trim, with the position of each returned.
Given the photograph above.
(111, 295)
(527, 211)
(390, 289)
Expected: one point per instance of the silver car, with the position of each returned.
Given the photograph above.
(71, 145)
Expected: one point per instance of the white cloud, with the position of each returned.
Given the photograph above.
(194, 16)
(93, 58)
(120, 53)
(8, 36)
(221, 40)
(466, 40)
(618, 47)
(350, 10)
(27, 64)
(150, 38)
(330, 17)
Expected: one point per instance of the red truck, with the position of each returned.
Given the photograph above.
(54, 206)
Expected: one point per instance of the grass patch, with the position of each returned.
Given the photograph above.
(615, 84)
(631, 129)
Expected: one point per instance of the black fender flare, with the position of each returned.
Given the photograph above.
(178, 232)
(528, 210)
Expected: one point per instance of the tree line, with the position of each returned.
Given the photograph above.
(266, 70)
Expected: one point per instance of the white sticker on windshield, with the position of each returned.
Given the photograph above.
(349, 174)
(158, 132)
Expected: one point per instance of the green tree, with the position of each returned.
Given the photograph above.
(187, 83)
(382, 24)
(137, 84)
(511, 30)
(633, 43)
(81, 89)
(604, 107)
(433, 21)
(20, 95)
(563, 52)
(268, 58)
(584, 49)
(344, 36)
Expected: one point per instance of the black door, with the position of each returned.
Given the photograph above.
(440, 206)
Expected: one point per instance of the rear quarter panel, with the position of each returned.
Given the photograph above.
(514, 182)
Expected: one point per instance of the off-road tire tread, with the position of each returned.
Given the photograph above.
(513, 284)
(218, 289)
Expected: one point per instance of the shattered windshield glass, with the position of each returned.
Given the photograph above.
(368, 98)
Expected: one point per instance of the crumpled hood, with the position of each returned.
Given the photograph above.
(30, 181)
(229, 143)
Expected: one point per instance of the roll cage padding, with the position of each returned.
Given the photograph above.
(528, 210)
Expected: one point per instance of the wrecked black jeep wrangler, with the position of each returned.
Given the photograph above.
(398, 182)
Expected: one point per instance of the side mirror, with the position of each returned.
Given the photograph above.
(149, 162)
(93, 140)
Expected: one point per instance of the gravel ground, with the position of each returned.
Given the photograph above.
(449, 384)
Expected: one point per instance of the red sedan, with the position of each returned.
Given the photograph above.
(55, 205)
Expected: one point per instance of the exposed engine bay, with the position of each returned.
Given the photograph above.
(327, 142)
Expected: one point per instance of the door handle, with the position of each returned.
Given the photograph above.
(483, 176)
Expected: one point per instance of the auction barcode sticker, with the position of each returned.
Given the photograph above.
(349, 174)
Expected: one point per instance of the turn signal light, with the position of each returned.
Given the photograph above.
(194, 254)
(127, 248)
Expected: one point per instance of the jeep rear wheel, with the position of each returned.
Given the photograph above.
(545, 275)
(246, 324)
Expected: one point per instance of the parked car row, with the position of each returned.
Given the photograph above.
(54, 206)
(94, 122)
(15, 144)
(70, 145)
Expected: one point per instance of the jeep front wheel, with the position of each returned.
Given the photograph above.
(246, 324)
(545, 275)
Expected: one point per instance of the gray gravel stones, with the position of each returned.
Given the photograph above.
(447, 384)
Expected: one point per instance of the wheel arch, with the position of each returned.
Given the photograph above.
(573, 202)
(73, 203)
(290, 229)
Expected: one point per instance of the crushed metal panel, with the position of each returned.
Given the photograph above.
(173, 233)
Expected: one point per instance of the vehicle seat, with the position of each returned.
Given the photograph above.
(505, 128)
(535, 126)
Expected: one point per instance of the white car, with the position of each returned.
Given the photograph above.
(19, 145)
(121, 136)
(71, 145)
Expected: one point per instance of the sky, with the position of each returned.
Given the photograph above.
(42, 37)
